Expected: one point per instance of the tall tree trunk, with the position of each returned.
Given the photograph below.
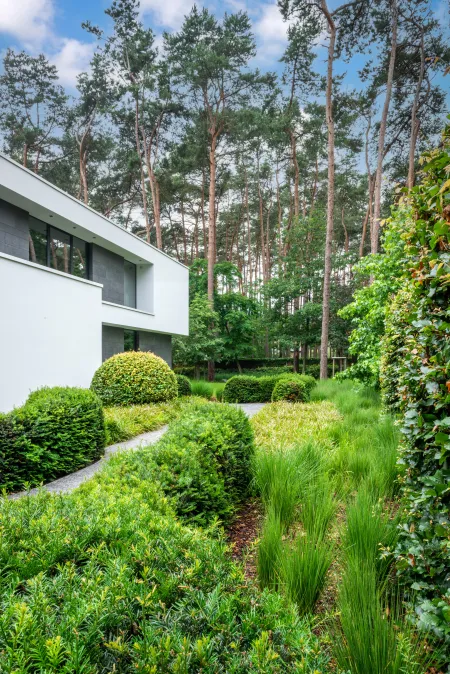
(375, 230)
(249, 238)
(330, 200)
(202, 206)
(346, 240)
(296, 172)
(141, 167)
(371, 187)
(415, 121)
(212, 234)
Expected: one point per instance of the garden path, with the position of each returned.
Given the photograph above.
(72, 481)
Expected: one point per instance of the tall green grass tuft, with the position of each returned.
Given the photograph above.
(304, 565)
(207, 389)
(370, 638)
(371, 533)
(318, 507)
(270, 551)
(282, 476)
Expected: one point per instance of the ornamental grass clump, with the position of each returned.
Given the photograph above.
(134, 378)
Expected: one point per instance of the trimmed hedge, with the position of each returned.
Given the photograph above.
(246, 389)
(184, 385)
(57, 431)
(291, 390)
(134, 378)
(203, 462)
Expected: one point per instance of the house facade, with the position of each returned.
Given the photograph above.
(75, 288)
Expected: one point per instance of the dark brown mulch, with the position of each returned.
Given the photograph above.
(243, 533)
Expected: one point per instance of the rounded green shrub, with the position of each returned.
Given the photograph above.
(134, 378)
(58, 431)
(203, 462)
(184, 385)
(291, 390)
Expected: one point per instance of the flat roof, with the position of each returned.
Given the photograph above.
(81, 203)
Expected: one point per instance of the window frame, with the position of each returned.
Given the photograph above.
(87, 277)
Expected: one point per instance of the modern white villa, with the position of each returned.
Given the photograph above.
(75, 288)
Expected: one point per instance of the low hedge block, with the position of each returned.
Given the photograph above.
(184, 385)
(134, 378)
(56, 432)
(247, 389)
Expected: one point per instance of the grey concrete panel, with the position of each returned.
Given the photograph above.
(159, 344)
(107, 268)
(14, 231)
(112, 341)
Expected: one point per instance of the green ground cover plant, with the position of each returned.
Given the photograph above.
(106, 578)
(57, 431)
(281, 425)
(123, 423)
(134, 378)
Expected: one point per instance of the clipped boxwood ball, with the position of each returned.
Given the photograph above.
(291, 390)
(134, 378)
(184, 385)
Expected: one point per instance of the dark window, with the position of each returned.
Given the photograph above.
(54, 248)
(38, 241)
(129, 284)
(79, 258)
(130, 340)
(59, 250)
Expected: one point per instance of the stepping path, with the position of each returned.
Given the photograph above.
(72, 481)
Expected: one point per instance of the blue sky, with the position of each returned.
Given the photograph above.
(54, 27)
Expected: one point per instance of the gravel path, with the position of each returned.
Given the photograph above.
(72, 481)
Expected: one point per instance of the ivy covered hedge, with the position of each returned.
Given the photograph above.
(416, 382)
(57, 431)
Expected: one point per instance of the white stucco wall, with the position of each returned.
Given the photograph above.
(51, 331)
(162, 282)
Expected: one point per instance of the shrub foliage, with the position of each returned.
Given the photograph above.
(422, 377)
(134, 378)
(291, 390)
(184, 385)
(56, 432)
(204, 461)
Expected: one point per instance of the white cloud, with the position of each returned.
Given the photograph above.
(168, 13)
(28, 20)
(72, 58)
(271, 32)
